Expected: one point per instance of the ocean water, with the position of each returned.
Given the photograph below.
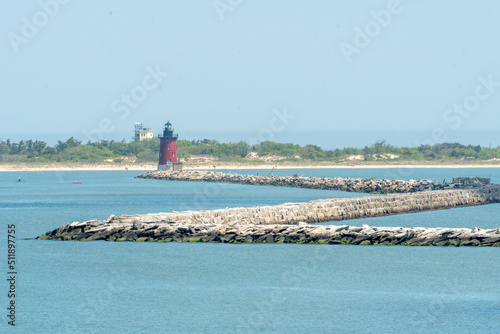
(109, 287)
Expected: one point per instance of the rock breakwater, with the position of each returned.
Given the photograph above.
(300, 233)
(371, 185)
(290, 222)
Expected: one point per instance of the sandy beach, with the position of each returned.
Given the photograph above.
(148, 167)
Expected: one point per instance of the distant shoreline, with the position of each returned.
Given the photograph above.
(298, 167)
(222, 167)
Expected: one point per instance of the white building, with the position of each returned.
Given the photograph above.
(141, 132)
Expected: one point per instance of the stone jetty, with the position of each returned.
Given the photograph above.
(292, 222)
(300, 233)
(371, 185)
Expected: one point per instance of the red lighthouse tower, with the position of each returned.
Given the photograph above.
(168, 149)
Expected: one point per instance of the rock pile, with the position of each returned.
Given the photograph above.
(300, 233)
(371, 185)
(469, 182)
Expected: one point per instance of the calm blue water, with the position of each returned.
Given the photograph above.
(106, 287)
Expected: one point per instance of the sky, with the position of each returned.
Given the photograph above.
(333, 73)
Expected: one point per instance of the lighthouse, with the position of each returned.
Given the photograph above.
(168, 150)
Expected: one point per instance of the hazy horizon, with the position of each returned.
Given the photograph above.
(329, 73)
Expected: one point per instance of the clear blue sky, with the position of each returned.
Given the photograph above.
(349, 72)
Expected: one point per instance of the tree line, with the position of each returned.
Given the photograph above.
(73, 150)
